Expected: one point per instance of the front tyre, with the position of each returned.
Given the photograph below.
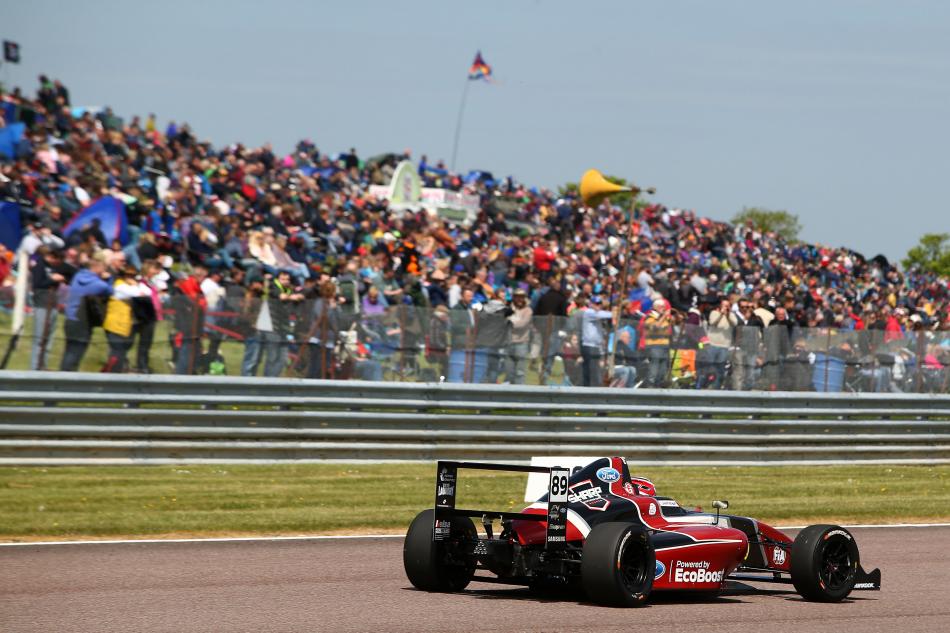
(824, 563)
(618, 565)
(438, 565)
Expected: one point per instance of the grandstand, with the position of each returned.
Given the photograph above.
(240, 260)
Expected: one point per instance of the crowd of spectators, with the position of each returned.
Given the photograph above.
(293, 256)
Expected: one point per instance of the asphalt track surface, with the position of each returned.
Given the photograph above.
(359, 585)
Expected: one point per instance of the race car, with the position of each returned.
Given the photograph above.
(610, 534)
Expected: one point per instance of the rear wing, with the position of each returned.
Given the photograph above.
(446, 484)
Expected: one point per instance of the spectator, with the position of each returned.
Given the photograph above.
(712, 357)
(592, 340)
(282, 299)
(657, 332)
(626, 359)
(324, 330)
(147, 312)
(118, 323)
(519, 338)
(552, 308)
(437, 340)
(255, 313)
(46, 279)
(84, 311)
(190, 308)
(748, 337)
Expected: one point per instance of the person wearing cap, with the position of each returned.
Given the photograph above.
(519, 337)
(40, 234)
(592, 339)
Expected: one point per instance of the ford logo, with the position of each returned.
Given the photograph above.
(660, 570)
(608, 474)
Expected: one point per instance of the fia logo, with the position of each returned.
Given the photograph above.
(778, 556)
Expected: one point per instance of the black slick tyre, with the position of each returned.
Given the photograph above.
(824, 563)
(618, 565)
(438, 565)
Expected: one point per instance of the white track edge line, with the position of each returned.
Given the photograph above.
(239, 539)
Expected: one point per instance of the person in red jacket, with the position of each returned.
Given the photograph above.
(544, 258)
(892, 329)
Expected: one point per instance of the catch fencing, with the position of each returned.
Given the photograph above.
(49, 418)
(403, 343)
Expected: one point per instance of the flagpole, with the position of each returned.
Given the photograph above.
(458, 124)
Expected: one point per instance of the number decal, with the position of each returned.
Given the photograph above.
(558, 486)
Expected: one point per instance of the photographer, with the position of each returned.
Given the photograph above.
(282, 299)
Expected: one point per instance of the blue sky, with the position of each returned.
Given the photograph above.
(835, 111)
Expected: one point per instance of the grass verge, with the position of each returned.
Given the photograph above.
(113, 501)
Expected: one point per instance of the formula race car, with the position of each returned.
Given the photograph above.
(611, 534)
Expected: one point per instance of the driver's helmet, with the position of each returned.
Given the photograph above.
(636, 485)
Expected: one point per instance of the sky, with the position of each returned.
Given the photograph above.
(838, 112)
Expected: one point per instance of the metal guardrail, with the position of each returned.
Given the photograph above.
(69, 418)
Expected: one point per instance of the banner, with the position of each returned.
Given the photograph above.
(11, 226)
(10, 137)
(110, 213)
(405, 189)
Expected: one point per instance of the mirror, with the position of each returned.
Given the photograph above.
(720, 505)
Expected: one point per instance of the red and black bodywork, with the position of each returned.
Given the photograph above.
(612, 534)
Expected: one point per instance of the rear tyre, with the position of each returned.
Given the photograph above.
(824, 563)
(618, 565)
(438, 565)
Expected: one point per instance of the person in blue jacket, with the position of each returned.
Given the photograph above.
(81, 315)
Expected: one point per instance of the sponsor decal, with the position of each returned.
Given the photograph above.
(865, 585)
(589, 495)
(695, 572)
(446, 476)
(480, 548)
(629, 488)
(442, 528)
(837, 533)
(668, 503)
(778, 556)
(660, 570)
(556, 539)
(446, 490)
(652, 509)
(608, 475)
(557, 527)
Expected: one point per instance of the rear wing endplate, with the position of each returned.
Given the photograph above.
(446, 485)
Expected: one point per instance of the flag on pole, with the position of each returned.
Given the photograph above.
(11, 52)
(479, 69)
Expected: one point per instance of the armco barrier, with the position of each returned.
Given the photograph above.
(65, 418)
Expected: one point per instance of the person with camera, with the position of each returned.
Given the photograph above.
(282, 300)
(712, 357)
